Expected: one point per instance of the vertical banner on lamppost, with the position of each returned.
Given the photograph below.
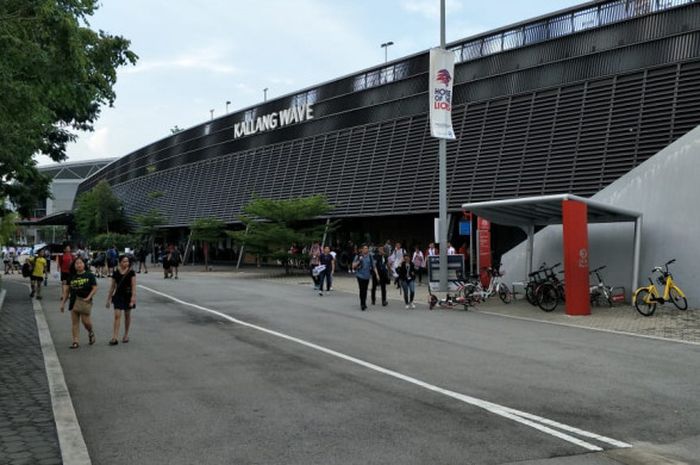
(442, 66)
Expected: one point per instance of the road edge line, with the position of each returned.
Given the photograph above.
(70, 437)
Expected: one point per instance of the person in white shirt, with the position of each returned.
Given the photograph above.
(419, 262)
(450, 249)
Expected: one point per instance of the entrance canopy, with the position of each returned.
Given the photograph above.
(546, 210)
(528, 212)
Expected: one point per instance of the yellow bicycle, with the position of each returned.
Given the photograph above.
(645, 298)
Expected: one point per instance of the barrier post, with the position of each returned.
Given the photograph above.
(575, 221)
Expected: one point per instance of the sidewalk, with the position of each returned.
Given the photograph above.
(27, 428)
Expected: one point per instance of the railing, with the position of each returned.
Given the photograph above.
(558, 26)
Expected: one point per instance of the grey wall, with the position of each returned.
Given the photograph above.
(666, 189)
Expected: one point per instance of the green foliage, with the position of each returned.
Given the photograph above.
(207, 229)
(150, 223)
(98, 210)
(107, 240)
(8, 228)
(272, 226)
(55, 73)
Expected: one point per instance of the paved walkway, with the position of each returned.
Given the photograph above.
(27, 428)
(667, 322)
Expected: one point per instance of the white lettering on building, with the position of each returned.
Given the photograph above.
(278, 119)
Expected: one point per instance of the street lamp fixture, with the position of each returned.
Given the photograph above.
(386, 46)
(228, 102)
(265, 94)
(211, 114)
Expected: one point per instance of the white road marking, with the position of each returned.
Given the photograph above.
(539, 423)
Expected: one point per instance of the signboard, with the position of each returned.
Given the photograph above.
(465, 228)
(455, 271)
(442, 67)
(278, 119)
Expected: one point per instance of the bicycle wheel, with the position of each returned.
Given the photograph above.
(642, 303)
(505, 294)
(530, 294)
(547, 297)
(678, 300)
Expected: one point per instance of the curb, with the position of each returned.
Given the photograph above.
(2, 297)
(70, 437)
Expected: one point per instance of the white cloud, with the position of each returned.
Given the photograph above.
(212, 58)
(98, 142)
(430, 8)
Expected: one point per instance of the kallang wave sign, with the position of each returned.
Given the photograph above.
(442, 66)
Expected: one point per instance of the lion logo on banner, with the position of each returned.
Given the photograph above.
(444, 76)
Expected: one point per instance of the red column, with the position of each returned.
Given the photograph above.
(575, 219)
(484, 245)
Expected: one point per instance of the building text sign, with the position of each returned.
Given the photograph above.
(278, 119)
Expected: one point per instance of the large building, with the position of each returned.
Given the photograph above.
(56, 210)
(563, 103)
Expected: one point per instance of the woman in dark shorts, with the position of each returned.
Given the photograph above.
(81, 287)
(122, 294)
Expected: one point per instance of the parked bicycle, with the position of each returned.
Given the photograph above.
(452, 300)
(545, 289)
(646, 297)
(601, 293)
(477, 293)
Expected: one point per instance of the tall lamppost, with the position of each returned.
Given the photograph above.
(265, 94)
(228, 102)
(442, 176)
(386, 46)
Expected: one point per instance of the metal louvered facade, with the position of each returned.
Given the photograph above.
(568, 113)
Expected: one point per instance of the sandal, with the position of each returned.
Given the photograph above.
(125, 340)
(113, 342)
(91, 337)
(75, 345)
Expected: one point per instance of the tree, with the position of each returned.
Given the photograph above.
(149, 226)
(97, 210)
(272, 226)
(8, 228)
(207, 230)
(55, 73)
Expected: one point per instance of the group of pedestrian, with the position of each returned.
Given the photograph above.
(380, 269)
(79, 286)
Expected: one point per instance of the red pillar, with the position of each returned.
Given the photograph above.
(575, 219)
(484, 244)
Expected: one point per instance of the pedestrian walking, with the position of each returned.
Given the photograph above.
(122, 294)
(364, 268)
(63, 264)
(175, 259)
(418, 260)
(79, 292)
(142, 256)
(39, 270)
(112, 256)
(381, 278)
(314, 261)
(407, 279)
(328, 261)
(395, 260)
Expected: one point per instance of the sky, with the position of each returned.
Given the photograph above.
(195, 56)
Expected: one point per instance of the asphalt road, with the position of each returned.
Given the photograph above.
(393, 386)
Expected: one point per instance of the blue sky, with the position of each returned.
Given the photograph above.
(194, 56)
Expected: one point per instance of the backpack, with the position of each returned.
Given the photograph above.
(27, 269)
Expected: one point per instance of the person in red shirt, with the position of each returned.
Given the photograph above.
(64, 262)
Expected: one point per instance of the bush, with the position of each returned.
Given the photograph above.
(107, 240)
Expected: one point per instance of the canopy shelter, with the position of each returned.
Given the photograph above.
(566, 209)
(62, 218)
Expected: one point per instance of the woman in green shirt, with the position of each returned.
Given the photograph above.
(79, 291)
